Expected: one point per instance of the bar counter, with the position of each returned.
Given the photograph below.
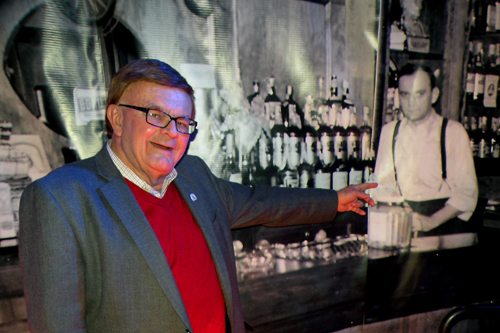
(371, 286)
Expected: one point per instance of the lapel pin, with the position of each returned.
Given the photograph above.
(193, 197)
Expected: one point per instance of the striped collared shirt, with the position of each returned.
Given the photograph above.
(132, 177)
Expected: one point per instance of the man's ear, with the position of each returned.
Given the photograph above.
(434, 95)
(115, 117)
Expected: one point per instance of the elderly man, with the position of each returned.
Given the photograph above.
(138, 238)
(427, 159)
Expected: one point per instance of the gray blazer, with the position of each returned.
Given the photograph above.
(92, 263)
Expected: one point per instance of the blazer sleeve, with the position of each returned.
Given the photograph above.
(263, 205)
(51, 264)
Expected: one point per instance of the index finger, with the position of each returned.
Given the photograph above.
(365, 186)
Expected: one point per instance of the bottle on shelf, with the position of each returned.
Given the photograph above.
(474, 134)
(334, 102)
(321, 106)
(278, 134)
(365, 134)
(272, 104)
(309, 157)
(231, 170)
(484, 140)
(470, 76)
(322, 168)
(291, 111)
(353, 151)
(491, 13)
(478, 72)
(293, 147)
(495, 137)
(340, 168)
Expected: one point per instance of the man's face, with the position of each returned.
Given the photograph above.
(151, 152)
(416, 95)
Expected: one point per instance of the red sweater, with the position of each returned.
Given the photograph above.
(188, 256)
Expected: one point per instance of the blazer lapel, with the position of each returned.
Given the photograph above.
(199, 209)
(123, 202)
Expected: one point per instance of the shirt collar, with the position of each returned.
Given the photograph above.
(425, 127)
(128, 174)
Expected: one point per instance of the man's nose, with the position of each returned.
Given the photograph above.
(170, 129)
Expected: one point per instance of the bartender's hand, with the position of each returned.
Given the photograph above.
(351, 198)
(422, 223)
(425, 223)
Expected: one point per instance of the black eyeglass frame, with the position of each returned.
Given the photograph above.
(192, 122)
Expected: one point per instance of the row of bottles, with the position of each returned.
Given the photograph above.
(319, 145)
(483, 70)
(484, 134)
(485, 15)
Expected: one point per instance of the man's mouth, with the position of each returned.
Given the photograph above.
(160, 146)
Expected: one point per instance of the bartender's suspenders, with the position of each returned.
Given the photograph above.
(428, 207)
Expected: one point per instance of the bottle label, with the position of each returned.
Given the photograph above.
(311, 150)
(293, 152)
(327, 149)
(355, 177)
(273, 112)
(279, 151)
(353, 146)
(478, 84)
(322, 180)
(265, 152)
(469, 85)
(490, 91)
(491, 15)
(339, 180)
(293, 117)
(484, 149)
(365, 145)
(340, 146)
(474, 147)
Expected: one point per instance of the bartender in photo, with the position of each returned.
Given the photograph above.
(427, 159)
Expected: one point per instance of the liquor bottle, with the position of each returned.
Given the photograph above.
(479, 21)
(495, 137)
(484, 139)
(339, 168)
(474, 135)
(230, 170)
(272, 104)
(291, 111)
(334, 102)
(278, 134)
(322, 168)
(479, 72)
(293, 147)
(491, 78)
(309, 157)
(353, 151)
(310, 114)
(322, 108)
(246, 169)
(365, 134)
(264, 160)
(491, 14)
(256, 91)
(469, 81)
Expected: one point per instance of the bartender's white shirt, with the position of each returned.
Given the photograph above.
(418, 163)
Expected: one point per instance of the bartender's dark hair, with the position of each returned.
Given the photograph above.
(410, 69)
(149, 70)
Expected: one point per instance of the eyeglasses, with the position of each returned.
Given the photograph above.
(161, 119)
